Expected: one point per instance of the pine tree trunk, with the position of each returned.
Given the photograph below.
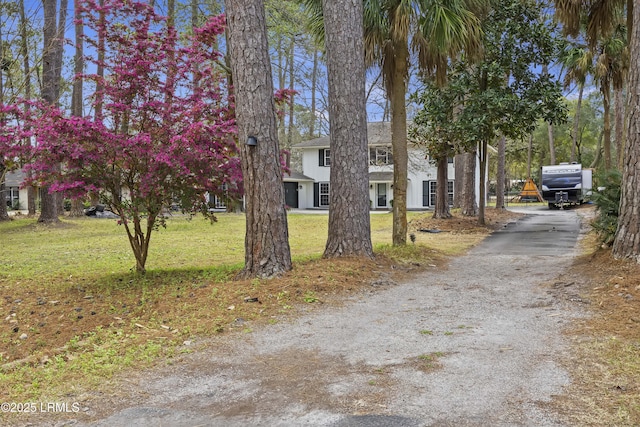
(76, 93)
(291, 95)
(4, 216)
(630, 20)
(349, 222)
(399, 144)
(618, 102)
(500, 178)
(441, 210)
(195, 15)
(59, 44)
(576, 124)
(59, 201)
(99, 96)
(529, 155)
(24, 49)
(552, 144)
(282, 65)
(32, 194)
(314, 83)
(483, 182)
(458, 181)
(469, 206)
(50, 87)
(267, 250)
(627, 241)
(78, 67)
(598, 157)
(606, 127)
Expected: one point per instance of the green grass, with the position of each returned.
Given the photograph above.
(93, 248)
(91, 258)
(430, 361)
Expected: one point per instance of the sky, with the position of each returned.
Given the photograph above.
(9, 21)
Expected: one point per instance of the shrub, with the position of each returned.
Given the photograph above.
(607, 200)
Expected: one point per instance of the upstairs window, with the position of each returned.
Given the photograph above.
(380, 156)
(324, 157)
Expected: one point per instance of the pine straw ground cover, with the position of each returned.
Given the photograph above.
(605, 354)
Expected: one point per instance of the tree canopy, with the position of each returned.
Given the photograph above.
(166, 133)
(505, 93)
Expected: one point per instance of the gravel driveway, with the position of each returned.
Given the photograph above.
(472, 345)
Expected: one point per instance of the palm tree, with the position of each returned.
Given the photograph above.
(394, 29)
(552, 143)
(610, 70)
(601, 22)
(608, 37)
(578, 61)
(601, 17)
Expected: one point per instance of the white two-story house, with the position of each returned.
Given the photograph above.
(310, 188)
(15, 195)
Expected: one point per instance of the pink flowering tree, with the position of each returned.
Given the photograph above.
(165, 131)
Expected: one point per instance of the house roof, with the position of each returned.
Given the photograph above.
(381, 177)
(378, 133)
(14, 178)
(295, 176)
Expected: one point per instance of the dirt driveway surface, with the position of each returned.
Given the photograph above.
(473, 345)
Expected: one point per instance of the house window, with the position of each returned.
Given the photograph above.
(218, 203)
(324, 193)
(380, 156)
(12, 196)
(324, 157)
(429, 189)
(425, 193)
(433, 188)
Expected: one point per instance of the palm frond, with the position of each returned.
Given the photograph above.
(603, 17)
(376, 31)
(447, 28)
(401, 15)
(313, 9)
(577, 60)
(569, 14)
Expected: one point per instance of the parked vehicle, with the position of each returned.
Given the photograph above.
(566, 184)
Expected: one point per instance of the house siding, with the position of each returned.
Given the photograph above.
(420, 170)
